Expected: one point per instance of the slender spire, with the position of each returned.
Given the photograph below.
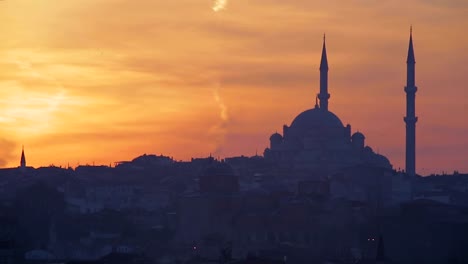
(411, 118)
(410, 58)
(23, 158)
(324, 61)
(324, 95)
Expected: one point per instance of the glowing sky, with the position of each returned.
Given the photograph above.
(107, 80)
(219, 5)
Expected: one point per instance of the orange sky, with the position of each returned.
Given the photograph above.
(107, 80)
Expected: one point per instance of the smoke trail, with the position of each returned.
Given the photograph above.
(223, 109)
(219, 5)
(220, 130)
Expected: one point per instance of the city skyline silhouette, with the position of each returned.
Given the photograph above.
(89, 95)
(233, 132)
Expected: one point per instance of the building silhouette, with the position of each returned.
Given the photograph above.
(410, 118)
(317, 142)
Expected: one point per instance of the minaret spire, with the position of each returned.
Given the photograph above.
(411, 118)
(410, 58)
(324, 95)
(23, 158)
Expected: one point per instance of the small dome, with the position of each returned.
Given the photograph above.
(276, 137)
(358, 135)
(368, 149)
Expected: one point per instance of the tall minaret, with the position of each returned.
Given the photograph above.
(324, 95)
(410, 118)
(23, 159)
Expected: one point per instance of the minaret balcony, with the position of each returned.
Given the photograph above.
(410, 119)
(411, 89)
(322, 96)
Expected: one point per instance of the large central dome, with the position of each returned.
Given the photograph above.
(315, 119)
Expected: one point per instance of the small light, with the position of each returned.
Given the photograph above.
(194, 248)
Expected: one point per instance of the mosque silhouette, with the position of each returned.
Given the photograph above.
(317, 141)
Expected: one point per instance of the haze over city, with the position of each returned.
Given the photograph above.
(233, 132)
(188, 78)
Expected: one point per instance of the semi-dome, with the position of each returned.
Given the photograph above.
(316, 118)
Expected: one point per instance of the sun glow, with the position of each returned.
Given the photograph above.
(219, 5)
(30, 115)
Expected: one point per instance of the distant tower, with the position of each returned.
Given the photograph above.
(410, 118)
(380, 257)
(52, 245)
(23, 159)
(324, 95)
